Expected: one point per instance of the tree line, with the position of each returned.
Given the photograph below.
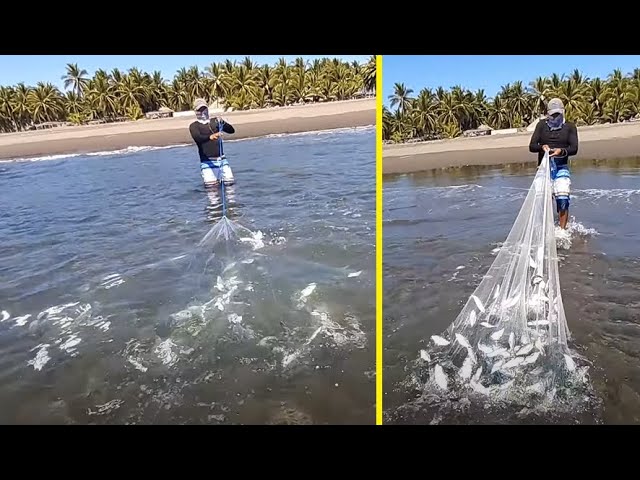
(108, 96)
(441, 113)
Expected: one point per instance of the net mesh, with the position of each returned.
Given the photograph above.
(510, 341)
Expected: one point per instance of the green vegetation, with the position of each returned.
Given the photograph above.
(447, 114)
(241, 86)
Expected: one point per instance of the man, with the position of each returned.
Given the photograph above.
(206, 133)
(560, 139)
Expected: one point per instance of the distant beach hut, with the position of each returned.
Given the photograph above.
(478, 132)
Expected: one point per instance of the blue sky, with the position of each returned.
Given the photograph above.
(31, 69)
(490, 72)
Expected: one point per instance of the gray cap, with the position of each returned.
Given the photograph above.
(555, 105)
(199, 103)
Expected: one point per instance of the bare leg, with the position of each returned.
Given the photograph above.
(563, 217)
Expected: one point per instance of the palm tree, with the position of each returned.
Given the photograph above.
(442, 113)
(244, 85)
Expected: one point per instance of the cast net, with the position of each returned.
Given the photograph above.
(510, 342)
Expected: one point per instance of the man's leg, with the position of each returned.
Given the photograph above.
(563, 212)
(210, 175)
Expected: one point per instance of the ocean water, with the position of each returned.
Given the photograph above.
(440, 236)
(114, 313)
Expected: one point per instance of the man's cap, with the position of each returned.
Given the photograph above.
(199, 103)
(555, 105)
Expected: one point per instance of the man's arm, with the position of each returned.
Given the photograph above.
(534, 143)
(572, 149)
(197, 136)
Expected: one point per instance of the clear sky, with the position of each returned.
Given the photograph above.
(490, 72)
(31, 69)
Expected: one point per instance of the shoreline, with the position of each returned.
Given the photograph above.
(600, 142)
(174, 131)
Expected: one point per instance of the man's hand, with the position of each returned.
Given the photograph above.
(214, 136)
(545, 148)
(555, 152)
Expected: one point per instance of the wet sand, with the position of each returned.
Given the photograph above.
(173, 131)
(596, 143)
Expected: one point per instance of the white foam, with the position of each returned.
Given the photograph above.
(41, 358)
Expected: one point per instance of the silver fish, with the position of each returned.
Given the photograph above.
(514, 362)
(463, 341)
(440, 341)
(531, 358)
(540, 323)
(476, 376)
(511, 302)
(484, 348)
(479, 388)
(496, 335)
(488, 325)
(512, 340)
(532, 264)
(525, 350)
(498, 351)
(495, 295)
(425, 356)
(472, 318)
(497, 366)
(539, 346)
(467, 366)
(571, 365)
(440, 377)
(478, 303)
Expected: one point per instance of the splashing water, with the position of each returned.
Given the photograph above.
(509, 344)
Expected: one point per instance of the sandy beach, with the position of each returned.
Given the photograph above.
(596, 143)
(173, 131)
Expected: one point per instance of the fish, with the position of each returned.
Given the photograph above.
(484, 348)
(488, 325)
(440, 377)
(472, 318)
(462, 340)
(498, 351)
(495, 295)
(525, 350)
(531, 358)
(539, 323)
(425, 356)
(497, 366)
(478, 303)
(476, 376)
(512, 340)
(496, 335)
(467, 366)
(538, 345)
(479, 388)
(440, 341)
(5, 316)
(571, 365)
(532, 264)
(511, 302)
(514, 362)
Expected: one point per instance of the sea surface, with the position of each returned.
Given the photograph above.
(115, 312)
(441, 232)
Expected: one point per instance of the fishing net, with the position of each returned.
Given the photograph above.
(510, 342)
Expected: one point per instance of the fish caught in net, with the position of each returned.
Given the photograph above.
(510, 342)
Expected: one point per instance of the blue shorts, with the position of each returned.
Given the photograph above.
(561, 178)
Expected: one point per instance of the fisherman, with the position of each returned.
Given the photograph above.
(560, 138)
(206, 132)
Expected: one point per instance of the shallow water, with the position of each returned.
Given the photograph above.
(153, 328)
(439, 233)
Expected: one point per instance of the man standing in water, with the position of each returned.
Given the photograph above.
(206, 132)
(560, 139)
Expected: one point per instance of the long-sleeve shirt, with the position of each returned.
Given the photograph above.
(201, 133)
(566, 138)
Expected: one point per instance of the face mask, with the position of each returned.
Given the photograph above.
(203, 116)
(555, 123)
